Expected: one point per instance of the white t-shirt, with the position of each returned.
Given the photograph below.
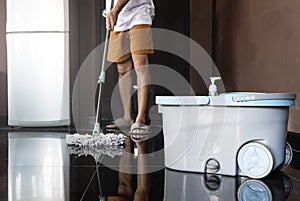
(133, 13)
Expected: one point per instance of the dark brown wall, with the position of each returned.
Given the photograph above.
(258, 47)
(86, 43)
(87, 27)
(200, 32)
(74, 38)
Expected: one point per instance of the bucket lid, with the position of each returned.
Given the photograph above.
(231, 99)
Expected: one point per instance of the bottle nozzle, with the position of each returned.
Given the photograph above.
(213, 88)
(213, 79)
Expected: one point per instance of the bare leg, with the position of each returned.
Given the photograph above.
(125, 87)
(143, 80)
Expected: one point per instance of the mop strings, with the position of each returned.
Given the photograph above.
(83, 145)
(109, 139)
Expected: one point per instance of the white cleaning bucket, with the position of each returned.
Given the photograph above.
(211, 133)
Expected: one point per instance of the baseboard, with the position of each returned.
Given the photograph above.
(3, 121)
(294, 139)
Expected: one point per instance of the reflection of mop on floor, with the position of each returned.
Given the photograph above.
(104, 145)
(96, 152)
(110, 144)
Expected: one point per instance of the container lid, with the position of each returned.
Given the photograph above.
(231, 99)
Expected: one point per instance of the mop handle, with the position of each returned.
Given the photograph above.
(101, 79)
(102, 74)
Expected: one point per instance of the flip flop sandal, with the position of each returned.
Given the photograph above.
(145, 129)
(120, 123)
(142, 134)
(139, 139)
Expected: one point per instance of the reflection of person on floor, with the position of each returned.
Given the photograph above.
(129, 46)
(125, 177)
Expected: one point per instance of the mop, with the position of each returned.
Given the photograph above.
(97, 138)
(83, 145)
(101, 80)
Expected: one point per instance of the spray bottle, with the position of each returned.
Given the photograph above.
(212, 90)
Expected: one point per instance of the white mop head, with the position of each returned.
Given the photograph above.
(83, 145)
(87, 140)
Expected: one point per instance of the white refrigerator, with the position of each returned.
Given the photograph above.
(37, 36)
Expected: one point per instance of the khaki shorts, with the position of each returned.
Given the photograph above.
(136, 41)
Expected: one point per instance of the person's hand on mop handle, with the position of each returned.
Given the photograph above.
(111, 19)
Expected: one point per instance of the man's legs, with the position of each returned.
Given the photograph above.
(143, 80)
(125, 86)
(141, 46)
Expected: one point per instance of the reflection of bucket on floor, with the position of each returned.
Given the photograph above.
(254, 190)
(275, 187)
(184, 186)
(293, 139)
(232, 134)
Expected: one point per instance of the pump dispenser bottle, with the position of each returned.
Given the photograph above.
(212, 90)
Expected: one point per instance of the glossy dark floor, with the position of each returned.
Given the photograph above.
(37, 165)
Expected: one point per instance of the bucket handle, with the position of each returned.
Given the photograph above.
(269, 96)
